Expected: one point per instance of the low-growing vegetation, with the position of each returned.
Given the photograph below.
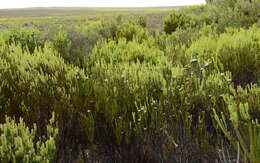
(120, 91)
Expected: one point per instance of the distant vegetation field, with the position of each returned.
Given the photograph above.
(131, 85)
(68, 11)
(67, 15)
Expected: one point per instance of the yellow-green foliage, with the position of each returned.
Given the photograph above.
(62, 43)
(40, 81)
(183, 21)
(126, 92)
(126, 78)
(29, 39)
(236, 51)
(177, 21)
(244, 122)
(18, 143)
(234, 13)
(131, 32)
(125, 52)
(145, 92)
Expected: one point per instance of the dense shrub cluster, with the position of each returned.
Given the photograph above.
(221, 13)
(121, 93)
(236, 51)
(177, 21)
(18, 143)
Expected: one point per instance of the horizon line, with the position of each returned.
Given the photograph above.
(98, 7)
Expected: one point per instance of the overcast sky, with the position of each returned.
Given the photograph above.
(95, 3)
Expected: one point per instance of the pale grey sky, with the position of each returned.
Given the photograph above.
(95, 3)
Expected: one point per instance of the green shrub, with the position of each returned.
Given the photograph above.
(236, 14)
(126, 87)
(175, 21)
(244, 123)
(42, 82)
(178, 20)
(35, 85)
(122, 51)
(150, 97)
(132, 32)
(235, 51)
(29, 39)
(126, 75)
(18, 143)
(123, 93)
(142, 21)
(62, 44)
